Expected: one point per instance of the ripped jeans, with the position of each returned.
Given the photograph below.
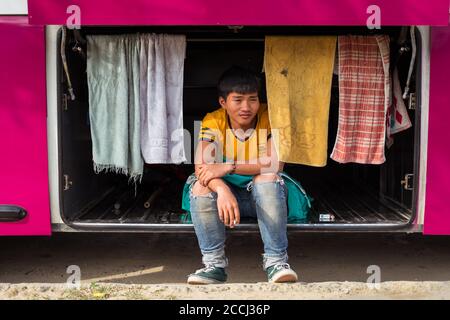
(266, 201)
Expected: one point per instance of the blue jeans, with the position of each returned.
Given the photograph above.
(266, 201)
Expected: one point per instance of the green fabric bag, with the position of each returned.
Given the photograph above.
(299, 202)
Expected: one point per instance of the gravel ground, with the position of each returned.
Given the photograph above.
(257, 291)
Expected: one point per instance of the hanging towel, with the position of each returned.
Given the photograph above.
(397, 115)
(364, 97)
(299, 71)
(161, 95)
(113, 84)
(400, 120)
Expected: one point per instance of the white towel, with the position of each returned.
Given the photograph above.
(161, 97)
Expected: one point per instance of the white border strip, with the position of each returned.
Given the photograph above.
(52, 134)
(425, 103)
(13, 7)
(51, 35)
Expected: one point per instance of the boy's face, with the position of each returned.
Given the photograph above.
(241, 108)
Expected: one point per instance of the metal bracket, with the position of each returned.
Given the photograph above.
(65, 99)
(412, 101)
(67, 182)
(407, 182)
(235, 28)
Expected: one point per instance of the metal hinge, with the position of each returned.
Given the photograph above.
(65, 100)
(412, 101)
(67, 182)
(235, 28)
(408, 181)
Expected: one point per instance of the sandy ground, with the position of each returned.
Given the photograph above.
(237, 291)
(155, 266)
(258, 291)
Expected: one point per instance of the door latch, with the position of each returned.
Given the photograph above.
(67, 182)
(408, 181)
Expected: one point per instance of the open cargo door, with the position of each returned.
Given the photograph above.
(437, 204)
(24, 195)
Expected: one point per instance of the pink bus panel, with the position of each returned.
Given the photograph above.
(23, 124)
(238, 12)
(437, 204)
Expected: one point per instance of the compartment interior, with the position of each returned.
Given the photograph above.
(354, 194)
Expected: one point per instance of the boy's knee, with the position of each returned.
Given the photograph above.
(268, 186)
(199, 190)
(268, 177)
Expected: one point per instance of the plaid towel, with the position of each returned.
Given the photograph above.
(364, 96)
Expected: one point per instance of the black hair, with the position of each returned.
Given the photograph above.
(239, 80)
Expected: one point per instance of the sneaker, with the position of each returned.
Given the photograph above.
(281, 272)
(208, 275)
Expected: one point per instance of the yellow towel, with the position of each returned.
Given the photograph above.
(299, 71)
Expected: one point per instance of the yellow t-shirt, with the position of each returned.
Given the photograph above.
(216, 128)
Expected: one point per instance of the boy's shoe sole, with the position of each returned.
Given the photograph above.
(285, 276)
(196, 279)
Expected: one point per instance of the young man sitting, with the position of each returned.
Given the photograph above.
(236, 140)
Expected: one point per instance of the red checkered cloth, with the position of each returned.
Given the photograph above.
(364, 96)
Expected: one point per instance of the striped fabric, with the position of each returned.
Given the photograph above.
(364, 95)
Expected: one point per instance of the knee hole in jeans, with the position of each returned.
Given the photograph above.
(199, 190)
(268, 177)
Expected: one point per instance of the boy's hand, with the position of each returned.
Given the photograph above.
(207, 172)
(228, 208)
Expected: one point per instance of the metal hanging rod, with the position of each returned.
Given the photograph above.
(224, 40)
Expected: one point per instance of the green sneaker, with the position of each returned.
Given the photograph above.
(208, 275)
(280, 273)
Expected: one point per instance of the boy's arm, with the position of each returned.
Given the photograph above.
(205, 157)
(227, 205)
(267, 164)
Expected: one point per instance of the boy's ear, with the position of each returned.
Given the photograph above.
(222, 102)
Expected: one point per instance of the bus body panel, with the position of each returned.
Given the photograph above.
(23, 123)
(24, 165)
(437, 203)
(237, 12)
